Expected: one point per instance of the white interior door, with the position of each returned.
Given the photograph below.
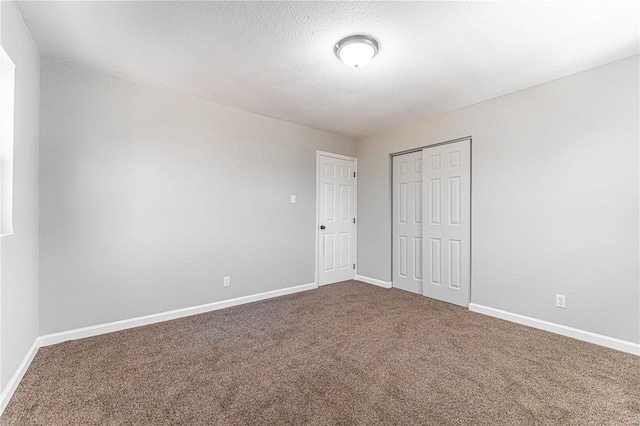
(407, 222)
(336, 218)
(447, 222)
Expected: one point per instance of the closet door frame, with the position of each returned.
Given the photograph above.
(391, 195)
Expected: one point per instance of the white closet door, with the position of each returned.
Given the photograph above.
(407, 222)
(446, 234)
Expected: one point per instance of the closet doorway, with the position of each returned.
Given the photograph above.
(432, 221)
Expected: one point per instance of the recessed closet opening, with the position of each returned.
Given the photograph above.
(431, 221)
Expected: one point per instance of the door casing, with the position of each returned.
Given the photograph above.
(354, 242)
(407, 151)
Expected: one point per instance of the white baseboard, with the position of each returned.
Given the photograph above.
(587, 336)
(95, 330)
(15, 380)
(379, 283)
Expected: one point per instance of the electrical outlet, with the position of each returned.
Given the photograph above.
(561, 301)
(293, 199)
(227, 281)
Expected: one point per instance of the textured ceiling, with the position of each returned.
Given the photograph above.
(276, 58)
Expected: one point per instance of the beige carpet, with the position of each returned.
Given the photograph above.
(348, 353)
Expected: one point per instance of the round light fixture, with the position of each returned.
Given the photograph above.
(357, 50)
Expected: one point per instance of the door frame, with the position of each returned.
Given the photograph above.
(433, 145)
(354, 243)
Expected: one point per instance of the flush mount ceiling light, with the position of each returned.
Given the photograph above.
(357, 50)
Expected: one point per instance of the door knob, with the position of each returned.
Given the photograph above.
(322, 227)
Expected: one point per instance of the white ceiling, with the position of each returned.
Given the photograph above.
(276, 58)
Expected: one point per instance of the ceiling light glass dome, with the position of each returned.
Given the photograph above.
(357, 50)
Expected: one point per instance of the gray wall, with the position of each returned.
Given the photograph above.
(555, 198)
(149, 197)
(19, 260)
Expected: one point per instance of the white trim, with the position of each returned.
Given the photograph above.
(355, 209)
(332, 155)
(11, 387)
(95, 330)
(379, 283)
(316, 229)
(587, 336)
(7, 113)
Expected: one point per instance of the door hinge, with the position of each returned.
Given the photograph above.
(354, 174)
(354, 266)
(354, 220)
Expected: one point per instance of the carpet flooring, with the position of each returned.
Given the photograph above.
(344, 354)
